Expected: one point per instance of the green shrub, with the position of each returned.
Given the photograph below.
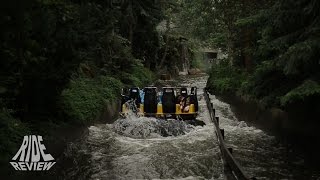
(139, 76)
(261, 81)
(129, 80)
(85, 97)
(143, 74)
(225, 78)
(306, 89)
(267, 84)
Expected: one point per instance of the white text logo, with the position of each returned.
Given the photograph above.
(28, 157)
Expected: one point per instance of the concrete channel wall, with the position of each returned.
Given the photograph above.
(110, 112)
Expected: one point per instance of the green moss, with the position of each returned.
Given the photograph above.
(306, 89)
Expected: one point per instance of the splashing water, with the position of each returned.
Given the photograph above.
(143, 127)
(261, 155)
(150, 148)
(136, 126)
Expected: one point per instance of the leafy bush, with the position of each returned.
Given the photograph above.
(224, 84)
(139, 76)
(224, 78)
(144, 75)
(261, 81)
(306, 89)
(267, 84)
(86, 97)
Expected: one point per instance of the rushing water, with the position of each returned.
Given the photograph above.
(149, 148)
(261, 155)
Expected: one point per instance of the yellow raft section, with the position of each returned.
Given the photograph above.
(160, 113)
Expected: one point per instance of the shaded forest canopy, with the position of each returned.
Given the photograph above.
(273, 48)
(273, 52)
(62, 61)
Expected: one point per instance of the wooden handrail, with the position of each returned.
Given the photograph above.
(229, 160)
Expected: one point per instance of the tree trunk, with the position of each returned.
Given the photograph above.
(166, 45)
(230, 48)
(247, 45)
(131, 23)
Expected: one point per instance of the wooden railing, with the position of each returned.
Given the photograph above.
(228, 159)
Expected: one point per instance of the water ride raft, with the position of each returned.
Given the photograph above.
(164, 102)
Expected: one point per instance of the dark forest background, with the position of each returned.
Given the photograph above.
(62, 61)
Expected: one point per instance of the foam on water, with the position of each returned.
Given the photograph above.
(260, 154)
(143, 127)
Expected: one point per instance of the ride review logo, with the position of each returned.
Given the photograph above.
(28, 157)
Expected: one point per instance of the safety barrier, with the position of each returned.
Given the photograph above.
(229, 160)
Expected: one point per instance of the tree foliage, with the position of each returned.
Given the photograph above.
(278, 43)
(43, 42)
(62, 60)
(289, 40)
